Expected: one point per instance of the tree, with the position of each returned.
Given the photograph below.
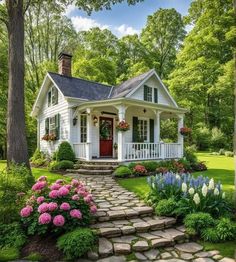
(162, 37)
(197, 81)
(13, 17)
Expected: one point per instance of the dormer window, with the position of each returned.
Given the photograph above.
(150, 94)
(52, 96)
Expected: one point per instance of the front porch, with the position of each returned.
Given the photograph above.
(141, 142)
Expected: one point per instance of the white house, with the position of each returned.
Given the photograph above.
(86, 114)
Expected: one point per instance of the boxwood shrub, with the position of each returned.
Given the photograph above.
(62, 165)
(77, 243)
(122, 171)
(65, 152)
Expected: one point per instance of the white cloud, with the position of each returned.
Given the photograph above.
(84, 24)
(126, 30)
(70, 9)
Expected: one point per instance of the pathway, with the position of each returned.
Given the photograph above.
(129, 231)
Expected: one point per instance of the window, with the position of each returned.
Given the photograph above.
(52, 96)
(155, 95)
(143, 130)
(147, 93)
(83, 128)
(52, 126)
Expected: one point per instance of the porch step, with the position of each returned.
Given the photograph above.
(93, 172)
(99, 162)
(97, 167)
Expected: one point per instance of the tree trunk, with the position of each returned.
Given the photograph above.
(16, 131)
(234, 3)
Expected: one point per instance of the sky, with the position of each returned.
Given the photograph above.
(123, 19)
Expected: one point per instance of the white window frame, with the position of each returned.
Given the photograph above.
(83, 129)
(53, 90)
(149, 94)
(148, 131)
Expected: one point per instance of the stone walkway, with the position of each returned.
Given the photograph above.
(129, 231)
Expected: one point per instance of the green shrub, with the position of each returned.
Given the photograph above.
(122, 171)
(229, 153)
(65, 152)
(11, 235)
(198, 221)
(202, 137)
(62, 165)
(166, 207)
(9, 254)
(221, 152)
(77, 243)
(210, 234)
(226, 230)
(54, 155)
(34, 257)
(12, 181)
(38, 158)
(218, 139)
(189, 154)
(150, 166)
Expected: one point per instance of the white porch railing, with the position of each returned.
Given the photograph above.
(80, 150)
(145, 151)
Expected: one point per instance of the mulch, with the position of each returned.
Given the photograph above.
(45, 246)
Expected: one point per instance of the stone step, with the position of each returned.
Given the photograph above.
(97, 167)
(92, 172)
(100, 162)
(144, 243)
(139, 226)
(122, 212)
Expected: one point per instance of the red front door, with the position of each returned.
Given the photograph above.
(106, 136)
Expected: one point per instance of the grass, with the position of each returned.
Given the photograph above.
(37, 172)
(227, 249)
(8, 254)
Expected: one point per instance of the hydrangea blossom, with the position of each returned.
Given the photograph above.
(63, 191)
(52, 206)
(59, 221)
(76, 213)
(26, 211)
(43, 208)
(45, 218)
(65, 206)
(40, 199)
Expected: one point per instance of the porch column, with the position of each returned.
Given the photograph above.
(180, 137)
(157, 127)
(89, 135)
(121, 135)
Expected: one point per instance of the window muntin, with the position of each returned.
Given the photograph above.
(83, 128)
(52, 126)
(143, 130)
(147, 93)
(52, 96)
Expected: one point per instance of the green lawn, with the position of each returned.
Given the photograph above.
(221, 168)
(37, 172)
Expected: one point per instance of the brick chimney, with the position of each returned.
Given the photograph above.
(64, 64)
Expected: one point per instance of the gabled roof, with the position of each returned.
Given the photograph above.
(126, 87)
(80, 88)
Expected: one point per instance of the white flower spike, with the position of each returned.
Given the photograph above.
(196, 199)
(204, 190)
(184, 187)
(191, 190)
(216, 192)
(211, 184)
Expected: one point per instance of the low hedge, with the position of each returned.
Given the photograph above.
(62, 165)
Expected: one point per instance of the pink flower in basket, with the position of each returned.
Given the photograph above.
(123, 126)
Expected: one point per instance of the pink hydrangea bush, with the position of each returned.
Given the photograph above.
(57, 207)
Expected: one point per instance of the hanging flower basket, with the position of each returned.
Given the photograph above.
(123, 126)
(49, 137)
(185, 131)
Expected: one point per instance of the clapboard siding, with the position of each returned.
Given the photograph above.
(163, 98)
(63, 110)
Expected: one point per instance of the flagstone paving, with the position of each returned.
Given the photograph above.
(129, 230)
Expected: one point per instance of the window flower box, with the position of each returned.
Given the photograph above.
(185, 131)
(123, 126)
(49, 137)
